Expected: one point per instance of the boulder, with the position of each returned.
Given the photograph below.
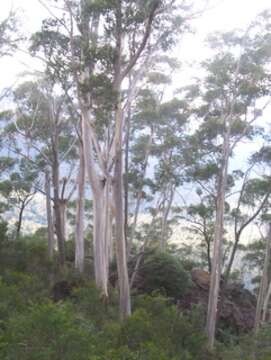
(239, 304)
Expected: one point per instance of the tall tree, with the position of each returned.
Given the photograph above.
(45, 139)
(243, 88)
(94, 47)
(237, 80)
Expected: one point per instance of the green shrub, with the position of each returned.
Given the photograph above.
(30, 286)
(28, 254)
(155, 330)
(163, 272)
(17, 292)
(88, 303)
(46, 332)
(251, 347)
(148, 351)
(11, 301)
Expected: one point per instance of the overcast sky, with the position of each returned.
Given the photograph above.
(224, 15)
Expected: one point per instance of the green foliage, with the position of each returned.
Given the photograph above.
(251, 347)
(11, 302)
(156, 330)
(46, 331)
(29, 286)
(253, 259)
(25, 255)
(3, 230)
(87, 302)
(162, 272)
(85, 328)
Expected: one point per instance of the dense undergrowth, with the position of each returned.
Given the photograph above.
(81, 327)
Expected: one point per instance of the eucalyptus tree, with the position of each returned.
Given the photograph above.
(233, 96)
(162, 150)
(144, 128)
(140, 26)
(9, 38)
(18, 188)
(253, 201)
(247, 198)
(262, 158)
(158, 129)
(92, 44)
(42, 133)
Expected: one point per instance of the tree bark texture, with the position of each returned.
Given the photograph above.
(218, 242)
(80, 212)
(100, 204)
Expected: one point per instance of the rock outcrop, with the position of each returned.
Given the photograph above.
(238, 305)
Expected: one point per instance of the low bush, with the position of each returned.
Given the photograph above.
(162, 272)
(45, 332)
(251, 347)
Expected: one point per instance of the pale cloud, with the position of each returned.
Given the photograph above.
(225, 15)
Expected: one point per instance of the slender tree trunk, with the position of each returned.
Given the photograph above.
(50, 226)
(238, 234)
(125, 304)
(137, 207)
(80, 208)
(218, 242)
(100, 252)
(63, 217)
(58, 216)
(209, 259)
(264, 282)
(20, 219)
(232, 257)
(266, 303)
(126, 182)
(140, 191)
(124, 288)
(108, 227)
(165, 219)
(123, 278)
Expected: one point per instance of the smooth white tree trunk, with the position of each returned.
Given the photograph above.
(63, 217)
(266, 303)
(218, 242)
(166, 211)
(100, 203)
(80, 213)
(123, 278)
(50, 226)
